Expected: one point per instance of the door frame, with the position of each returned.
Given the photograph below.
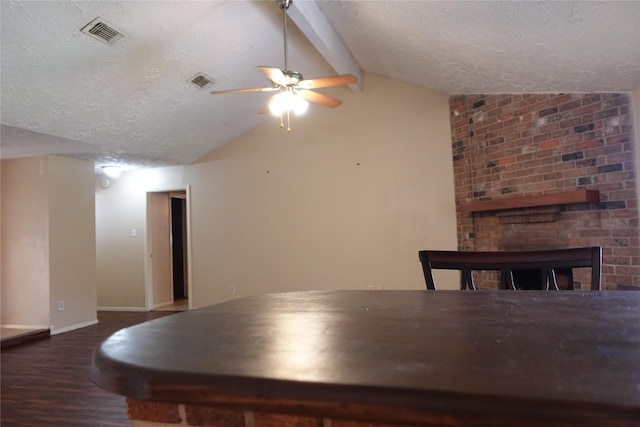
(179, 195)
(148, 261)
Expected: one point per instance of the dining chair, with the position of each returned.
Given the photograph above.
(517, 269)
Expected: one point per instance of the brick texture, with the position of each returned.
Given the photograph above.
(264, 419)
(515, 145)
(340, 423)
(157, 414)
(153, 411)
(198, 415)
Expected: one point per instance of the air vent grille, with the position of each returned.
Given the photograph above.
(103, 31)
(201, 80)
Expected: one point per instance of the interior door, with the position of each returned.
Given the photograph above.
(159, 217)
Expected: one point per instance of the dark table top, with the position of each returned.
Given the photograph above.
(531, 357)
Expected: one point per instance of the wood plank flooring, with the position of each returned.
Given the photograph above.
(47, 382)
(11, 337)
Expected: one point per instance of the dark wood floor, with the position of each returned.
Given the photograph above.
(47, 382)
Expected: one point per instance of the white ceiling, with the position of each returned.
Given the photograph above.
(63, 92)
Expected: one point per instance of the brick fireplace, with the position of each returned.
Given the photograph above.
(546, 171)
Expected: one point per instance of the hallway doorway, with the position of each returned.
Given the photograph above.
(179, 245)
(167, 283)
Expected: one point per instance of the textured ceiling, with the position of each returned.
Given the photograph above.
(64, 92)
(495, 47)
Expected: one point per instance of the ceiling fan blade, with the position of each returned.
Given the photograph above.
(344, 79)
(256, 89)
(274, 74)
(319, 98)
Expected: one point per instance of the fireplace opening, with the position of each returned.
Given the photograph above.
(526, 279)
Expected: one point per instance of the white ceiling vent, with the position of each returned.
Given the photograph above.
(201, 80)
(103, 31)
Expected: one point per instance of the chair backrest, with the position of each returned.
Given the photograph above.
(512, 265)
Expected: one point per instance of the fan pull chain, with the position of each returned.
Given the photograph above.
(288, 121)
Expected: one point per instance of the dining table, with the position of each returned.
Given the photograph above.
(385, 358)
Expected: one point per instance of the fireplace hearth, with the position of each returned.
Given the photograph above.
(548, 171)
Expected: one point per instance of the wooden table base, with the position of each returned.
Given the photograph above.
(156, 414)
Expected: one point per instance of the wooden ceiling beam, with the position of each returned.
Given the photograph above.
(314, 25)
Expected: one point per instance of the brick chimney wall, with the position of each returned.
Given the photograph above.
(506, 146)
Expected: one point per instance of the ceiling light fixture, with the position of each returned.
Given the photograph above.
(286, 102)
(295, 92)
(112, 171)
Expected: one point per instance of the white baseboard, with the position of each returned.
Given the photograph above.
(122, 309)
(25, 326)
(163, 304)
(55, 331)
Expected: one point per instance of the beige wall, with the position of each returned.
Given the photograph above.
(72, 243)
(48, 243)
(344, 201)
(25, 243)
(121, 257)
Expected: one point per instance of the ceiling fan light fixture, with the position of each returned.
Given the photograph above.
(288, 102)
(112, 171)
(295, 92)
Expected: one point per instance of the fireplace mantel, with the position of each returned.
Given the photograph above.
(531, 201)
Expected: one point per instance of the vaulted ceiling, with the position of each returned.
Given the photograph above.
(65, 92)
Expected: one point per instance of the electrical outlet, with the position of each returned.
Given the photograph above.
(60, 305)
(232, 289)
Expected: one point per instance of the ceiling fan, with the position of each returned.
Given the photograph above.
(293, 90)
